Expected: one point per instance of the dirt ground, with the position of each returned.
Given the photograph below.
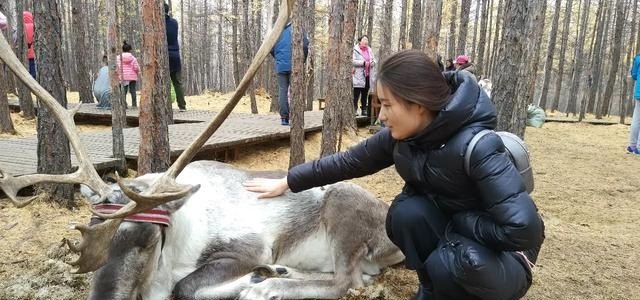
(586, 190)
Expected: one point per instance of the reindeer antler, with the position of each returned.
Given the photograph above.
(85, 174)
(165, 188)
(96, 238)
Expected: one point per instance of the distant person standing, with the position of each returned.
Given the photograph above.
(463, 62)
(363, 73)
(128, 69)
(175, 65)
(634, 136)
(282, 54)
(29, 28)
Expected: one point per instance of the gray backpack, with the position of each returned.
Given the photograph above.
(517, 152)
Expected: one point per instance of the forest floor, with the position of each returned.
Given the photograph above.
(587, 190)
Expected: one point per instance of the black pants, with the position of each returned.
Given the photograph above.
(131, 88)
(453, 266)
(362, 94)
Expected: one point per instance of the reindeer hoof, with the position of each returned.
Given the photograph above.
(260, 273)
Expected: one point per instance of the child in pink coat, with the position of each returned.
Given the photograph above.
(128, 69)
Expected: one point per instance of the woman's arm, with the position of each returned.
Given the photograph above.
(368, 157)
(510, 221)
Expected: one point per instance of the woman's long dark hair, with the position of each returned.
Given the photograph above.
(412, 76)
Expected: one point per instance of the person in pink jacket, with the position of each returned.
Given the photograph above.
(128, 69)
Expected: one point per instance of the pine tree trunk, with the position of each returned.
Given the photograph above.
(118, 114)
(533, 38)
(234, 43)
(563, 49)
(482, 43)
(452, 29)
(461, 45)
(548, 66)
(505, 93)
(220, 53)
(6, 124)
(275, 106)
(485, 66)
(298, 91)
(360, 20)
(84, 81)
(576, 76)
(310, 17)
(615, 60)
(24, 94)
(54, 155)
(154, 152)
(402, 39)
(432, 27)
(370, 13)
(475, 29)
(415, 36)
(338, 114)
(628, 81)
(248, 54)
(496, 38)
(387, 30)
(597, 63)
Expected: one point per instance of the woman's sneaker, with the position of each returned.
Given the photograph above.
(633, 150)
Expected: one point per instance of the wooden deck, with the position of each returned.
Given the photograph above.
(18, 156)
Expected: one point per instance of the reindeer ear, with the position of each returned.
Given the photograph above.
(173, 206)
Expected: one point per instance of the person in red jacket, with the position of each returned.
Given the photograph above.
(29, 29)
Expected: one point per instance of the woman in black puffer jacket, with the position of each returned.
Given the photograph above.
(467, 236)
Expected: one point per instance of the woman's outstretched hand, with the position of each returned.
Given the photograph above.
(267, 188)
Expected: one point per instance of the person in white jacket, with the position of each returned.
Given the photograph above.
(363, 73)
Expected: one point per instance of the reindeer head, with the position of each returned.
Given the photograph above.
(104, 240)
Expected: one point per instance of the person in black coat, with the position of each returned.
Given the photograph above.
(471, 236)
(175, 65)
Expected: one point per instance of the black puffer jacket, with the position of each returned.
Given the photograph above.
(491, 206)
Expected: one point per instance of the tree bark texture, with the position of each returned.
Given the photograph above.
(415, 36)
(338, 114)
(54, 155)
(298, 91)
(563, 50)
(84, 81)
(576, 77)
(505, 93)
(461, 45)
(615, 60)
(548, 66)
(154, 152)
(432, 27)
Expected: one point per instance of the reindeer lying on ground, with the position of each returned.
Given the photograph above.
(225, 243)
(201, 235)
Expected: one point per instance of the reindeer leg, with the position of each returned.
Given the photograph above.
(210, 280)
(347, 275)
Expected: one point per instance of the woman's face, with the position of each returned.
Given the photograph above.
(403, 118)
(364, 41)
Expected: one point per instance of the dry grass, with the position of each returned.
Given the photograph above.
(586, 190)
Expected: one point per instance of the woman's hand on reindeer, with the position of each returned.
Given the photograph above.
(267, 188)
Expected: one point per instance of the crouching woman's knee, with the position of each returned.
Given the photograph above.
(459, 262)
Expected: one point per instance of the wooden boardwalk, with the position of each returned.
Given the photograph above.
(18, 156)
